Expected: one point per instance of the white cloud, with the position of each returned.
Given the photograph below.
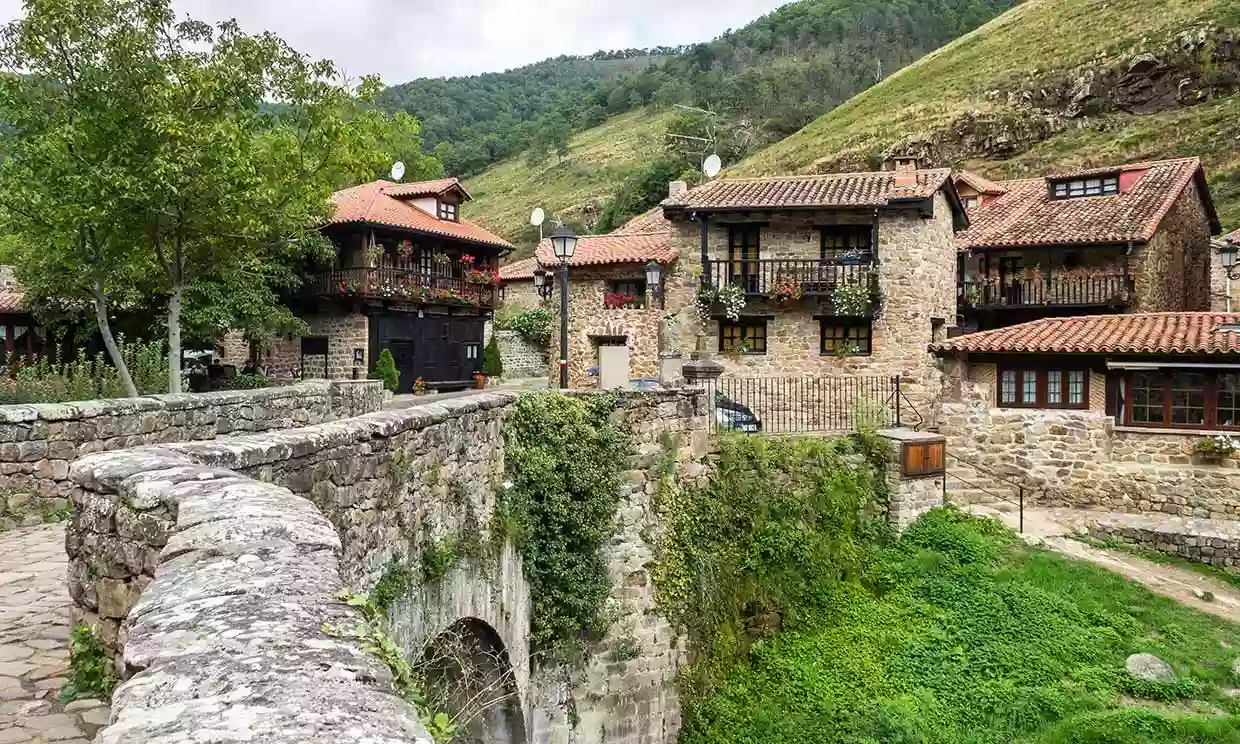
(405, 39)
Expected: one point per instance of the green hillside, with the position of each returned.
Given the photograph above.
(1010, 98)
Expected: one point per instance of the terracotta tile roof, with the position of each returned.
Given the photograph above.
(652, 221)
(1143, 333)
(1231, 237)
(979, 183)
(518, 270)
(426, 188)
(823, 191)
(614, 248)
(1027, 216)
(371, 203)
(11, 300)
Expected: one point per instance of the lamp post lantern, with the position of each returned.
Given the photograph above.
(540, 282)
(1228, 253)
(563, 245)
(654, 277)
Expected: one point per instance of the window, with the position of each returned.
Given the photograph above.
(1227, 400)
(742, 337)
(971, 202)
(1182, 399)
(1043, 388)
(744, 254)
(1099, 186)
(627, 294)
(845, 243)
(846, 338)
(448, 211)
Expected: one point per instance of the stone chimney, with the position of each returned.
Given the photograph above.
(7, 277)
(676, 188)
(905, 167)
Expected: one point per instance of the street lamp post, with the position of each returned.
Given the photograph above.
(563, 244)
(654, 277)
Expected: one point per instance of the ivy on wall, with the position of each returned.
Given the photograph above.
(563, 456)
(763, 544)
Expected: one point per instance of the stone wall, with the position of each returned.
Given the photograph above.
(1211, 542)
(39, 441)
(909, 497)
(917, 278)
(1172, 270)
(345, 331)
(521, 359)
(520, 293)
(1080, 458)
(389, 484)
(589, 321)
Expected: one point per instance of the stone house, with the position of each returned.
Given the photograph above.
(1119, 239)
(837, 275)
(18, 331)
(410, 275)
(1100, 411)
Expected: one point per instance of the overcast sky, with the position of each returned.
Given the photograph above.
(405, 39)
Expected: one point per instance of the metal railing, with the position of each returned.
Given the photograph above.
(409, 285)
(765, 277)
(1019, 488)
(1103, 289)
(802, 405)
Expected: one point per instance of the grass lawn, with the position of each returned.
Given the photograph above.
(964, 635)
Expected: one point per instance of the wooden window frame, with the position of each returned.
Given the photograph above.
(639, 291)
(1041, 397)
(742, 264)
(1077, 188)
(1210, 415)
(743, 324)
(845, 324)
(932, 459)
(449, 212)
(835, 254)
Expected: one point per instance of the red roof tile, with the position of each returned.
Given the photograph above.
(426, 188)
(979, 183)
(11, 300)
(518, 270)
(1231, 237)
(1143, 333)
(614, 248)
(650, 222)
(822, 192)
(371, 203)
(1026, 215)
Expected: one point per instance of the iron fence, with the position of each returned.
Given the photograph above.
(798, 405)
(764, 277)
(1102, 289)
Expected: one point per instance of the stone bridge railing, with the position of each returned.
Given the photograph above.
(39, 441)
(209, 568)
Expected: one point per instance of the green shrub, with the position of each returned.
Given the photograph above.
(45, 379)
(533, 325)
(563, 456)
(492, 362)
(386, 371)
(249, 382)
(90, 670)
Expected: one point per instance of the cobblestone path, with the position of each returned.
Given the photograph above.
(34, 643)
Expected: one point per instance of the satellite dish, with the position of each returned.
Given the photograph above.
(712, 165)
(537, 217)
(398, 170)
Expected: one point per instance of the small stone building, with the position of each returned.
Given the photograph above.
(839, 275)
(1101, 411)
(1118, 239)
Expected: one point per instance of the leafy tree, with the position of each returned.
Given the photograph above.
(386, 370)
(148, 155)
(640, 191)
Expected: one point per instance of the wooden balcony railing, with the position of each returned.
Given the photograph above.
(767, 277)
(407, 285)
(1063, 291)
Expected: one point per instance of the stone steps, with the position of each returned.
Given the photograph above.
(966, 486)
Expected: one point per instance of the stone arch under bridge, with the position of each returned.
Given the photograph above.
(469, 676)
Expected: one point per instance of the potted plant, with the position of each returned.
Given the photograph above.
(851, 300)
(1213, 449)
(787, 290)
(374, 254)
(492, 364)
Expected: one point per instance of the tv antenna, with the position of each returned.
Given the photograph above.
(705, 148)
(398, 170)
(537, 217)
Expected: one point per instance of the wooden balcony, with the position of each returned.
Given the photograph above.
(1096, 290)
(780, 277)
(402, 285)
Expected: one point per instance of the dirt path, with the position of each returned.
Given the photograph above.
(34, 643)
(1052, 528)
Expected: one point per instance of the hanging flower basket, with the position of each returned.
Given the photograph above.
(852, 300)
(787, 291)
(730, 299)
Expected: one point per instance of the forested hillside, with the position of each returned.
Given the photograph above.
(1049, 86)
(764, 82)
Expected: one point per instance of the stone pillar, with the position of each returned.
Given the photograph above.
(915, 473)
(700, 370)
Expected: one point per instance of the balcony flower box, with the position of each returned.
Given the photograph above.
(483, 276)
(617, 301)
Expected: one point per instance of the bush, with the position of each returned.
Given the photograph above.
(532, 325)
(492, 362)
(386, 370)
(249, 382)
(44, 379)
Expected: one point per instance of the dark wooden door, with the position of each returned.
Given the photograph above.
(1011, 276)
(404, 353)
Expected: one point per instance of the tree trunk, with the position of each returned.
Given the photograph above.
(114, 352)
(174, 340)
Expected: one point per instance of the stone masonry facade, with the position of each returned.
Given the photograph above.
(1173, 270)
(521, 358)
(345, 332)
(159, 533)
(39, 441)
(917, 280)
(1081, 459)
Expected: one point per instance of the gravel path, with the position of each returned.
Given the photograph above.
(34, 643)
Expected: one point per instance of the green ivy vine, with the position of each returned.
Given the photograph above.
(563, 456)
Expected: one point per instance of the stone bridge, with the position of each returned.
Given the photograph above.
(210, 570)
